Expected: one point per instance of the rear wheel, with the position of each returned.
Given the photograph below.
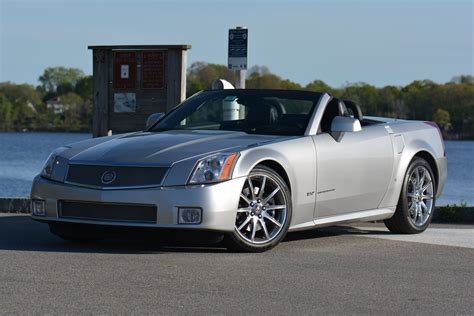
(263, 214)
(417, 200)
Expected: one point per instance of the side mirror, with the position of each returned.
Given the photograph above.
(153, 118)
(342, 124)
(345, 124)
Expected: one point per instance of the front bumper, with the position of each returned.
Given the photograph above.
(218, 202)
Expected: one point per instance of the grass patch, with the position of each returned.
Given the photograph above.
(451, 212)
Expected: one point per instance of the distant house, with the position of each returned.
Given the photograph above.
(54, 104)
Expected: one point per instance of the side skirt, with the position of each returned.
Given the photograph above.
(361, 216)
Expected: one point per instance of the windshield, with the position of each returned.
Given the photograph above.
(270, 112)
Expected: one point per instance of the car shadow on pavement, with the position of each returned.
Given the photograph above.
(19, 232)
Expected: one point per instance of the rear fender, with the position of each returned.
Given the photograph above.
(401, 162)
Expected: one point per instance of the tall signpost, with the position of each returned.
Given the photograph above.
(237, 54)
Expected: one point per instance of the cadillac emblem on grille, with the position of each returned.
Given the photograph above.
(108, 177)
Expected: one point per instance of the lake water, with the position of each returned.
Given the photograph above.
(23, 154)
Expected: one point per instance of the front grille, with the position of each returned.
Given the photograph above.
(115, 176)
(107, 211)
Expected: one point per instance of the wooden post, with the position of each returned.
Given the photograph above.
(176, 88)
(100, 92)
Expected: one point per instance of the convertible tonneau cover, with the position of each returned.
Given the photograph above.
(383, 119)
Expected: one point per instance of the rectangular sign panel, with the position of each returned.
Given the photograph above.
(153, 70)
(125, 70)
(125, 102)
(238, 40)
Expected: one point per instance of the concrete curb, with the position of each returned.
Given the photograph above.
(15, 205)
(443, 214)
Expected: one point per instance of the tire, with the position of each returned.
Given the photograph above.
(263, 215)
(75, 233)
(417, 200)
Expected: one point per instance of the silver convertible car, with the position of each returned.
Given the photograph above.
(250, 165)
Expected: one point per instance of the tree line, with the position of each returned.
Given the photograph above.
(23, 107)
(450, 105)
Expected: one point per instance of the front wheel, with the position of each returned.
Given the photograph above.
(417, 200)
(263, 214)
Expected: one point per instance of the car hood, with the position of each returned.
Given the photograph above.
(161, 148)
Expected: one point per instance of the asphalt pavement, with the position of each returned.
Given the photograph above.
(358, 269)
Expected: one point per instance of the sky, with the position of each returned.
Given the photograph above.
(380, 42)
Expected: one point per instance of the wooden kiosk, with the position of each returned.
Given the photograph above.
(130, 82)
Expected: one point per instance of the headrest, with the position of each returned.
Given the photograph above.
(355, 109)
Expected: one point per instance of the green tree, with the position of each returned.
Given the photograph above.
(463, 79)
(419, 99)
(8, 115)
(390, 103)
(260, 77)
(443, 119)
(265, 81)
(60, 80)
(20, 93)
(365, 95)
(321, 86)
(19, 103)
(201, 75)
(71, 117)
(261, 70)
(83, 87)
(77, 113)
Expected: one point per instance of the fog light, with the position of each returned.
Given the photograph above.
(189, 215)
(38, 207)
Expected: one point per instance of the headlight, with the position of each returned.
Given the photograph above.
(51, 161)
(214, 168)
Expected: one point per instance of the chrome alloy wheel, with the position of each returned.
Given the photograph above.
(262, 209)
(420, 192)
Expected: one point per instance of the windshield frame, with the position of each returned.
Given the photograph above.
(203, 95)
